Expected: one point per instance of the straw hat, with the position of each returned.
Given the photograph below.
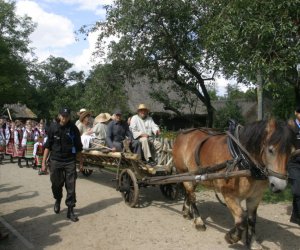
(83, 115)
(142, 106)
(81, 111)
(103, 117)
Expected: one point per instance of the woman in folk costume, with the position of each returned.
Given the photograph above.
(39, 131)
(10, 139)
(18, 136)
(28, 142)
(2, 139)
(38, 152)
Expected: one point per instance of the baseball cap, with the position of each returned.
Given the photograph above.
(118, 112)
(65, 111)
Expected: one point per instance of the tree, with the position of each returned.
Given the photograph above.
(58, 86)
(230, 111)
(105, 90)
(159, 39)
(256, 41)
(14, 46)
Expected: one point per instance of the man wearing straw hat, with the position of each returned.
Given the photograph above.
(143, 128)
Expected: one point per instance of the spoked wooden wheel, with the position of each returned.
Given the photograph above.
(171, 191)
(87, 172)
(128, 187)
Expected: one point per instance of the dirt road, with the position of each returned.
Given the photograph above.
(26, 212)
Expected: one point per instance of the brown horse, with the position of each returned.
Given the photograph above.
(269, 143)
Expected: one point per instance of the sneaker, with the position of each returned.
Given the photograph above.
(151, 163)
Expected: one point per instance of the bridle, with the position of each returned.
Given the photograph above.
(239, 153)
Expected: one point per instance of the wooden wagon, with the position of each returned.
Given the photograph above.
(131, 171)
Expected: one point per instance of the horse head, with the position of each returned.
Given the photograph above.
(271, 143)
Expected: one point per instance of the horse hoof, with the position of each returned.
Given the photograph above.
(231, 239)
(199, 224)
(187, 215)
(200, 227)
(256, 246)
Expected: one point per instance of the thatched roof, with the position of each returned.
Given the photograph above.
(19, 111)
(140, 93)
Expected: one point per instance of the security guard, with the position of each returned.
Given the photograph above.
(294, 173)
(63, 144)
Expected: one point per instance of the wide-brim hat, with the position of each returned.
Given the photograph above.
(83, 115)
(103, 117)
(142, 106)
(81, 111)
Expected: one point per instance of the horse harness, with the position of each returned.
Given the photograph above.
(241, 157)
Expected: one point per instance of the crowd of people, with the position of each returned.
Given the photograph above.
(109, 131)
(23, 141)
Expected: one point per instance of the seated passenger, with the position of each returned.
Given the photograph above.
(100, 129)
(84, 125)
(143, 128)
(79, 113)
(117, 132)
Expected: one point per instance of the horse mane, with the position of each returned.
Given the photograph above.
(253, 135)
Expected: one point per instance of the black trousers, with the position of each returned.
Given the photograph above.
(295, 187)
(63, 173)
(294, 179)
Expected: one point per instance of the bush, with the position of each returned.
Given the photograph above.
(230, 111)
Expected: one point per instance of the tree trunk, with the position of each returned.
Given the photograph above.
(210, 115)
(259, 96)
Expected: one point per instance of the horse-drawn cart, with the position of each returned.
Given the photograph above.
(132, 173)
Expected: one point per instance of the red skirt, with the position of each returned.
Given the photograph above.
(10, 148)
(2, 149)
(18, 151)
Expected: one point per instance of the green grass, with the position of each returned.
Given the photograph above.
(284, 196)
(269, 197)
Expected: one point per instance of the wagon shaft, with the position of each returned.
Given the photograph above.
(198, 178)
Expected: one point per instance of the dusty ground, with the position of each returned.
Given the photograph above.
(26, 212)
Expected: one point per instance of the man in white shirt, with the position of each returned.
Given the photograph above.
(143, 128)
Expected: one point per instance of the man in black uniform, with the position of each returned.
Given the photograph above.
(63, 144)
(294, 173)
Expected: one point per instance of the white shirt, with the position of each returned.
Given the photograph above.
(140, 126)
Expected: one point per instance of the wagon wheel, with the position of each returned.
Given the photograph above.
(171, 191)
(87, 172)
(128, 187)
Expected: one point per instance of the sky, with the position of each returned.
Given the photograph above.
(58, 20)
